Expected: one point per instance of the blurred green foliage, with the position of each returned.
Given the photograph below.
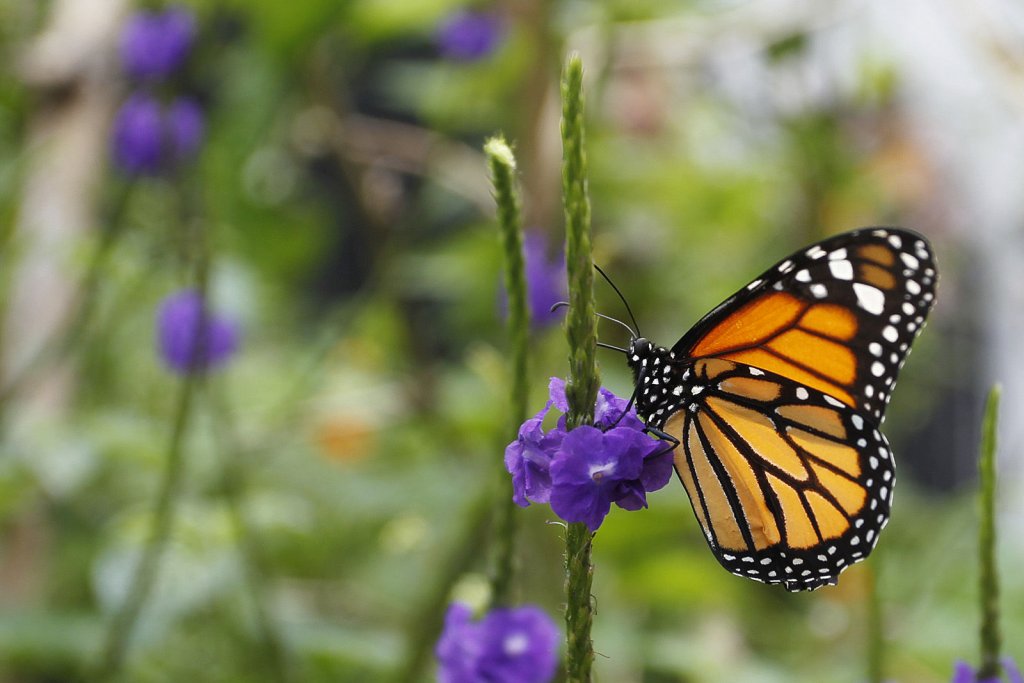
(347, 208)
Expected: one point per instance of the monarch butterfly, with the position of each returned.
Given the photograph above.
(772, 403)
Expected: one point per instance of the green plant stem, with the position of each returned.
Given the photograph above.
(122, 626)
(991, 638)
(502, 166)
(875, 622)
(583, 381)
(125, 620)
(581, 321)
(274, 649)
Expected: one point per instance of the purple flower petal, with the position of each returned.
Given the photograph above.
(528, 459)
(1012, 672)
(630, 495)
(155, 44)
(459, 648)
(507, 646)
(469, 36)
(586, 474)
(556, 392)
(189, 339)
(138, 136)
(657, 471)
(519, 646)
(609, 410)
(964, 673)
(185, 127)
(546, 280)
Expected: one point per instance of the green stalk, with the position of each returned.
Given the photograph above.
(991, 638)
(583, 381)
(876, 629)
(124, 623)
(502, 165)
(273, 647)
(122, 626)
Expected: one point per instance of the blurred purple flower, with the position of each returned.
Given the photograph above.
(583, 471)
(189, 338)
(469, 35)
(507, 646)
(546, 281)
(148, 140)
(138, 135)
(963, 673)
(185, 127)
(155, 44)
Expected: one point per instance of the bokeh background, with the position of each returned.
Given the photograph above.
(339, 464)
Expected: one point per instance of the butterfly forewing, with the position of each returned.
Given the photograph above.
(789, 484)
(838, 316)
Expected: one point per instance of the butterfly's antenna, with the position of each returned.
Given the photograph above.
(633, 334)
(622, 298)
(613, 348)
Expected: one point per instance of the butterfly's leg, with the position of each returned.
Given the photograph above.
(673, 441)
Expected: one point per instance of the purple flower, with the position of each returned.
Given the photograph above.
(528, 459)
(963, 673)
(608, 410)
(583, 471)
(469, 36)
(155, 44)
(191, 338)
(185, 128)
(595, 469)
(545, 281)
(507, 646)
(138, 136)
(148, 140)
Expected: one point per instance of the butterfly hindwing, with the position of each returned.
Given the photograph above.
(838, 316)
(789, 484)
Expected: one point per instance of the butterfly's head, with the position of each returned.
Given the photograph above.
(640, 350)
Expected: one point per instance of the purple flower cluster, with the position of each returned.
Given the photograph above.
(507, 646)
(154, 45)
(152, 135)
(963, 673)
(148, 137)
(583, 471)
(190, 338)
(469, 35)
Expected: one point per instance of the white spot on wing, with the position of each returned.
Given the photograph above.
(819, 291)
(869, 298)
(841, 270)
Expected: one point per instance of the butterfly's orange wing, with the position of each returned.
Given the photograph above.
(839, 316)
(775, 398)
(790, 485)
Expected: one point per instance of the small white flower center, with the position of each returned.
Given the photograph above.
(516, 644)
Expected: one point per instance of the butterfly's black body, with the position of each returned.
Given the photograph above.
(780, 451)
